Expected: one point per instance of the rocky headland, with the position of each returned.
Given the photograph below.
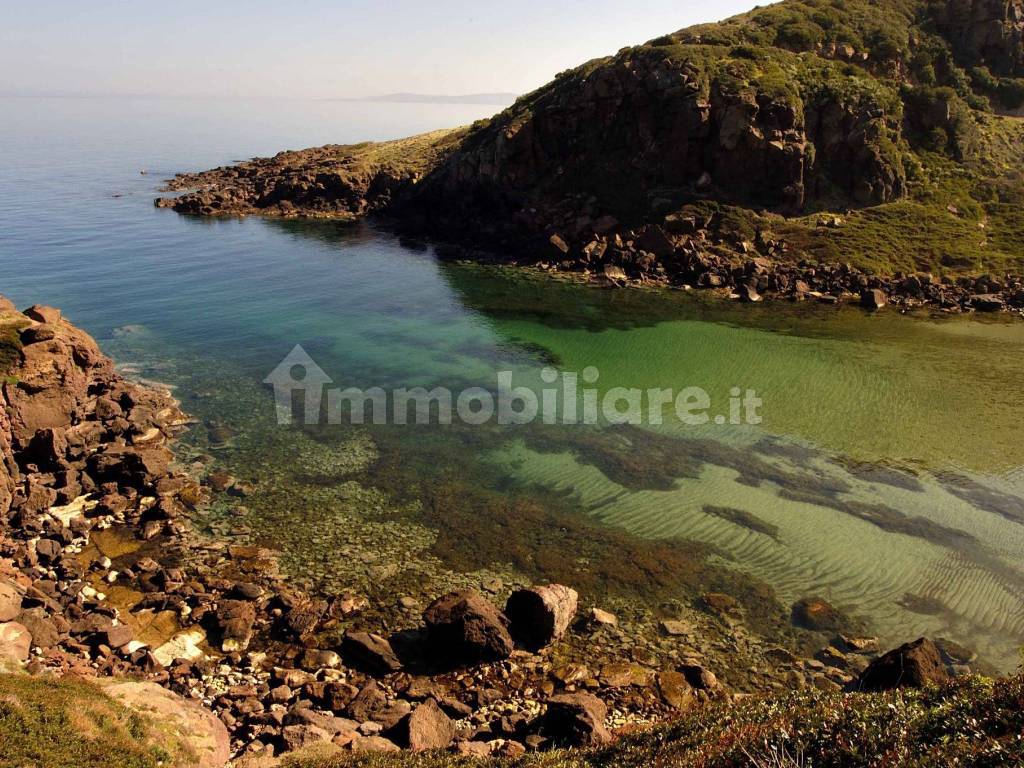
(862, 152)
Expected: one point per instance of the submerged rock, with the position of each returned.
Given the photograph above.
(817, 614)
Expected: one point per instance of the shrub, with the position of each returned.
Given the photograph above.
(885, 45)
(10, 347)
(800, 35)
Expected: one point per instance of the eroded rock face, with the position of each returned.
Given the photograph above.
(989, 31)
(644, 125)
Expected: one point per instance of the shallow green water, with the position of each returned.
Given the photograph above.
(886, 475)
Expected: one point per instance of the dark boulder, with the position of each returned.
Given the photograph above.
(912, 665)
(370, 652)
(988, 302)
(576, 720)
(464, 628)
(873, 298)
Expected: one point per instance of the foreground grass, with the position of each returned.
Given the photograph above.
(72, 724)
(973, 722)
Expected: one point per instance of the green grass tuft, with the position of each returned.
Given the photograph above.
(70, 723)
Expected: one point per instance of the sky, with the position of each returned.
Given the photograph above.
(315, 49)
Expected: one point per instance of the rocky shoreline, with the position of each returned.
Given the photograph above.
(103, 576)
(691, 249)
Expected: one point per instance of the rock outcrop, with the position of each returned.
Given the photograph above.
(185, 720)
(657, 126)
(334, 181)
(986, 32)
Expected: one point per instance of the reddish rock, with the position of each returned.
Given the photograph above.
(117, 636)
(577, 720)
(426, 727)
(371, 652)
(15, 643)
(912, 665)
(10, 601)
(43, 314)
(465, 628)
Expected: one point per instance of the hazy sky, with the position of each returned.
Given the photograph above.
(316, 48)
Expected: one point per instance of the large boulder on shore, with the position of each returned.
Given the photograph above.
(426, 727)
(371, 652)
(576, 720)
(15, 644)
(912, 665)
(465, 628)
(10, 601)
(541, 615)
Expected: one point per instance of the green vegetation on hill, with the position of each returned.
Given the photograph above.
(10, 340)
(959, 216)
(930, 42)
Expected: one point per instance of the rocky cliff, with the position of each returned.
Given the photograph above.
(70, 424)
(804, 148)
(987, 33)
(655, 127)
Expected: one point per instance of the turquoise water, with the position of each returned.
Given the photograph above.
(886, 475)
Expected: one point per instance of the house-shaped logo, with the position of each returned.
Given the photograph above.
(298, 373)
